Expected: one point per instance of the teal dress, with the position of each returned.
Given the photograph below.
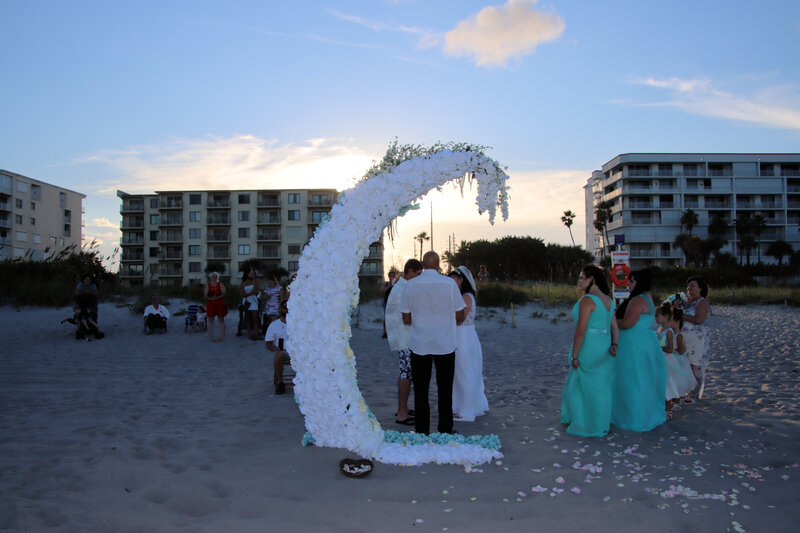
(586, 398)
(641, 378)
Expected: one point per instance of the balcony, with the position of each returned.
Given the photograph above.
(267, 201)
(219, 253)
(712, 204)
(219, 203)
(218, 220)
(793, 204)
(5, 222)
(320, 202)
(793, 188)
(666, 205)
(640, 205)
(170, 203)
(5, 206)
(268, 219)
(127, 256)
(269, 236)
(129, 273)
(5, 240)
(219, 236)
(171, 221)
(170, 271)
(171, 237)
(132, 207)
(269, 252)
(171, 255)
(133, 224)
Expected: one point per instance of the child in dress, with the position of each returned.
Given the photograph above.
(680, 380)
(200, 322)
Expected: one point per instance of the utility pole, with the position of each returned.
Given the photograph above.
(431, 225)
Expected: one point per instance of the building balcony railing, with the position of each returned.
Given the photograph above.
(5, 240)
(693, 204)
(132, 208)
(269, 255)
(136, 241)
(171, 238)
(218, 221)
(219, 236)
(171, 204)
(170, 272)
(793, 188)
(171, 222)
(771, 205)
(640, 205)
(219, 203)
(5, 206)
(133, 224)
(6, 189)
(128, 273)
(666, 205)
(266, 220)
(171, 255)
(268, 236)
(138, 258)
(320, 203)
(793, 204)
(268, 202)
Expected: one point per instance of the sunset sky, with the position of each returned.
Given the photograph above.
(141, 96)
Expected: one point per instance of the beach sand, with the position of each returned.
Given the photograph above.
(171, 432)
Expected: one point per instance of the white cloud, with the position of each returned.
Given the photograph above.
(238, 162)
(425, 38)
(497, 34)
(103, 222)
(772, 106)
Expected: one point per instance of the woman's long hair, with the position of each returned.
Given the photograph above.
(644, 280)
(599, 276)
(465, 286)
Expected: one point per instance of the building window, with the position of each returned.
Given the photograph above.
(790, 170)
(62, 242)
(294, 214)
(294, 249)
(18, 203)
(244, 216)
(244, 249)
(67, 230)
(194, 249)
(294, 266)
(194, 266)
(37, 239)
(154, 219)
(18, 219)
(62, 199)
(195, 199)
(294, 197)
(154, 251)
(244, 233)
(33, 206)
(154, 235)
(318, 216)
(22, 186)
(665, 169)
(767, 169)
(36, 192)
(194, 216)
(194, 233)
(638, 170)
(153, 203)
(33, 221)
(21, 236)
(244, 198)
(52, 241)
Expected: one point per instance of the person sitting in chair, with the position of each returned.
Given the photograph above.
(86, 308)
(155, 316)
(276, 343)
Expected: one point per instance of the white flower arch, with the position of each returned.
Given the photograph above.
(326, 290)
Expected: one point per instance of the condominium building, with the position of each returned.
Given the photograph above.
(650, 192)
(37, 219)
(176, 237)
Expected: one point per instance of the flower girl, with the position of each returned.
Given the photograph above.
(680, 379)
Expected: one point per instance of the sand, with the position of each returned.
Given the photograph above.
(175, 433)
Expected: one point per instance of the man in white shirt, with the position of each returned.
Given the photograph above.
(399, 339)
(155, 316)
(276, 343)
(432, 305)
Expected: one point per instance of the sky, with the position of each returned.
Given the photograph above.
(150, 95)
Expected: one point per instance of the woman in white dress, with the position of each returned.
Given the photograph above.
(469, 399)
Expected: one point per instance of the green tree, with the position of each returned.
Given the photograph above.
(717, 229)
(691, 247)
(747, 243)
(421, 238)
(567, 219)
(759, 224)
(689, 220)
(602, 217)
(780, 249)
(744, 228)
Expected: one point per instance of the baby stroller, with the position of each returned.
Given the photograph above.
(85, 317)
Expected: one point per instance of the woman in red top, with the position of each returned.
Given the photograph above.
(215, 305)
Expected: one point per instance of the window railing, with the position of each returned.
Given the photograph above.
(269, 202)
(220, 203)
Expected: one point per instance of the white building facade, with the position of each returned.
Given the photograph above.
(37, 220)
(172, 238)
(649, 192)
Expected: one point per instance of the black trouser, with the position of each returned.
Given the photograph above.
(156, 322)
(421, 368)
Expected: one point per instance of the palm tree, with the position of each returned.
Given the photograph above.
(421, 238)
(567, 219)
(689, 219)
(602, 216)
(747, 242)
(744, 228)
(779, 249)
(759, 224)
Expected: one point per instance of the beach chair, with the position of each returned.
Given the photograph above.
(191, 318)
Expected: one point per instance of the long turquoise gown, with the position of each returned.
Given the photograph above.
(586, 397)
(641, 378)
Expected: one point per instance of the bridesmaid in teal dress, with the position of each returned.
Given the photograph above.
(586, 397)
(641, 378)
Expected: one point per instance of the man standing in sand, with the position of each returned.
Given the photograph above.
(399, 338)
(432, 305)
(276, 339)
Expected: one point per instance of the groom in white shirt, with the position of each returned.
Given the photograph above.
(432, 304)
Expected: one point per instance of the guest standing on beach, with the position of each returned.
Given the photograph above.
(696, 311)
(86, 306)
(399, 335)
(214, 292)
(432, 305)
(272, 301)
(641, 376)
(469, 398)
(586, 400)
(249, 292)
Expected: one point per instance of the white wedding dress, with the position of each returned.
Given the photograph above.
(469, 399)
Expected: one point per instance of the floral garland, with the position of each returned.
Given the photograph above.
(326, 290)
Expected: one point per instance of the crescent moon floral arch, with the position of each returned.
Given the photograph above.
(326, 291)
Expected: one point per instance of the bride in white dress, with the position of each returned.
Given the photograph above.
(469, 399)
